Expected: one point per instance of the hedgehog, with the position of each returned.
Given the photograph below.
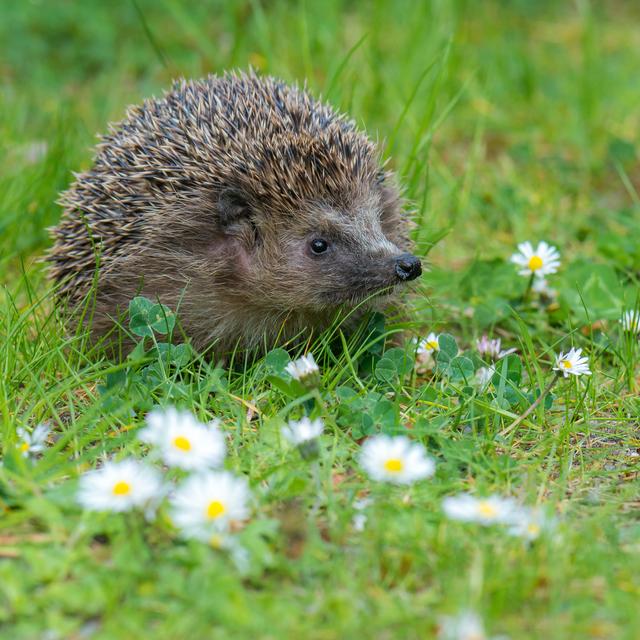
(256, 211)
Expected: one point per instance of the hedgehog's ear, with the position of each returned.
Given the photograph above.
(234, 210)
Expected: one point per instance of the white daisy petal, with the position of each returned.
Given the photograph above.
(486, 511)
(359, 522)
(183, 441)
(304, 435)
(572, 363)
(299, 431)
(630, 321)
(395, 459)
(360, 517)
(529, 523)
(303, 369)
(541, 286)
(428, 345)
(491, 349)
(208, 503)
(465, 626)
(483, 377)
(541, 261)
(119, 486)
(34, 442)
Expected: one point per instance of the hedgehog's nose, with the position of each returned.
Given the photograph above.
(408, 267)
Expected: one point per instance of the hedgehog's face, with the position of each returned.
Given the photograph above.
(345, 258)
(327, 255)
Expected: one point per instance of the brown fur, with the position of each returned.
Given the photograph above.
(209, 197)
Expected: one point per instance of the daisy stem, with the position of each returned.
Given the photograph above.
(134, 532)
(629, 353)
(317, 503)
(534, 405)
(527, 291)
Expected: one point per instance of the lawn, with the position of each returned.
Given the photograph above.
(506, 122)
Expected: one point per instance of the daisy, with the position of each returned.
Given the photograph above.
(34, 442)
(528, 523)
(491, 348)
(541, 261)
(299, 431)
(483, 376)
(303, 369)
(395, 459)
(541, 286)
(465, 626)
(119, 486)
(183, 441)
(304, 435)
(208, 503)
(572, 363)
(630, 321)
(485, 511)
(360, 518)
(428, 345)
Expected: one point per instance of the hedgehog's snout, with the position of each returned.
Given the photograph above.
(408, 267)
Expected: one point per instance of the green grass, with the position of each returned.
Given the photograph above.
(506, 121)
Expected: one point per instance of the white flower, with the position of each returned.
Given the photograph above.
(491, 348)
(360, 518)
(483, 376)
(303, 368)
(359, 522)
(541, 286)
(395, 459)
(300, 431)
(362, 503)
(485, 511)
(208, 503)
(428, 345)
(529, 523)
(541, 261)
(630, 321)
(572, 363)
(304, 435)
(183, 441)
(119, 486)
(34, 442)
(465, 626)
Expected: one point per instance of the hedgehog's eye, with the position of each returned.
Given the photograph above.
(319, 246)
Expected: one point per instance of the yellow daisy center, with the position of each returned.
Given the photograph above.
(393, 465)
(487, 509)
(215, 509)
(182, 443)
(432, 345)
(566, 364)
(533, 529)
(121, 488)
(24, 447)
(535, 263)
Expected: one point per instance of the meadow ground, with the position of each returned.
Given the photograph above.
(507, 122)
